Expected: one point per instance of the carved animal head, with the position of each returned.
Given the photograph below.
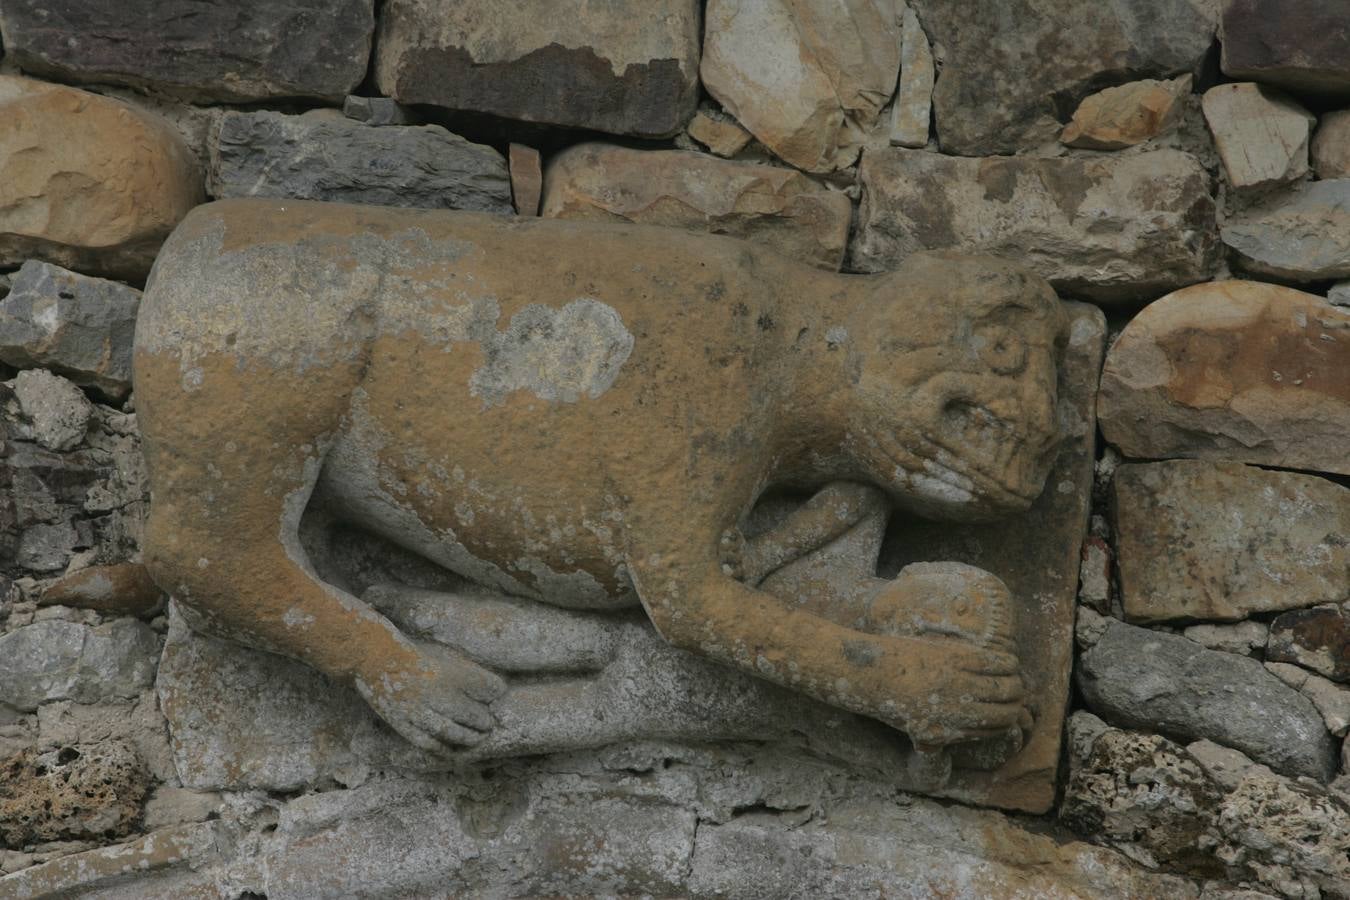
(955, 405)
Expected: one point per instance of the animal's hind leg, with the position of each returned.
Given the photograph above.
(232, 461)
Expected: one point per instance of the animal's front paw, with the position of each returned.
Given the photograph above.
(439, 705)
(969, 692)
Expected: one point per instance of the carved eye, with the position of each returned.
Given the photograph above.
(1002, 350)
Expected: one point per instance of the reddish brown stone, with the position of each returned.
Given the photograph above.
(527, 179)
(1317, 639)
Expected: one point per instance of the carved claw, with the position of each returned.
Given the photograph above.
(732, 551)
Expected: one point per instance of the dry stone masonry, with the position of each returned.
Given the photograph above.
(688, 448)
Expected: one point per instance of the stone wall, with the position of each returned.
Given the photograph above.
(1184, 165)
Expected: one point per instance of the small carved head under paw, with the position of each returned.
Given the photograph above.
(955, 380)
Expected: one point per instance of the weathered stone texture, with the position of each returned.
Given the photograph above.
(87, 182)
(1233, 370)
(239, 51)
(527, 179)
(1331, 700)
(162, 865)
(1120, 117)
(1153, 681)
(323, 156)
(1261, 133)
(57, 410)
(1301, 45)
(1008, 64)
(720, 133)
(1331, 146)
(777, 207)
(57, 660)
(912, 115)
(807, 79)
(578, 63)
(74, 325)
(1317, 639)
(1203, 540)
(1301, 236)
(70, 793)
(1108, 229)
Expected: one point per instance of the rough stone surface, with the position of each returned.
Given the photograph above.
(87, 182)
(1301, 45)
(1152, 217)
(527, 179)
(159, 866)
(1317, 639)
(1232, 370)
(84, 791)
(1162, 682)
(578, 63)
(1262, 133)
(912, 114)
(1301, 236)
(377, 111)
(77, 326)
(1244, 638)
(720, 133)
(1331, 700)
(323, 156)
(54, 504)
(1207, 811)
(1120, 117)
(1331, 146)
(773, 206)
(1205, 540)
(58, 410)
(811, 112)
(1009, 64)
(1339, 295)
(56, 660)
(241, 51)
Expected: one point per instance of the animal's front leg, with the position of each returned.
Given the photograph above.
(938, 689)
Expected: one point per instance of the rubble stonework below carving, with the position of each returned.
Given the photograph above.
(1178, 593)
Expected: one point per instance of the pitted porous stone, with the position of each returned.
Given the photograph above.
(237, 52)
(779, 208)
(70, 793)
(578, 63)
(1233, 370)
(58, 411)
(464, 386)
(1153, 217)
(77, 326)
(806, 79)
(87, 182)
(323, 156)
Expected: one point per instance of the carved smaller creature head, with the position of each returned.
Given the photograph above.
(955, 386)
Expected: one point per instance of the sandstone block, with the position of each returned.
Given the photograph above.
(913, 111)
(1153, 217)
(721, 134)
(577, 63)
(77, 326)
(1300, 45)
(1204, 540)
(1331, 146)
(774, 206)
(1160, 682)
(842, 62)
(1317, 639)
(1301, 236)
(241, 51)
(1130, 114)
(1008, 63)
(87, 182)
(88, 791)
(1261, 133)
(1232, 370)
(323, 156)
(58, 660)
